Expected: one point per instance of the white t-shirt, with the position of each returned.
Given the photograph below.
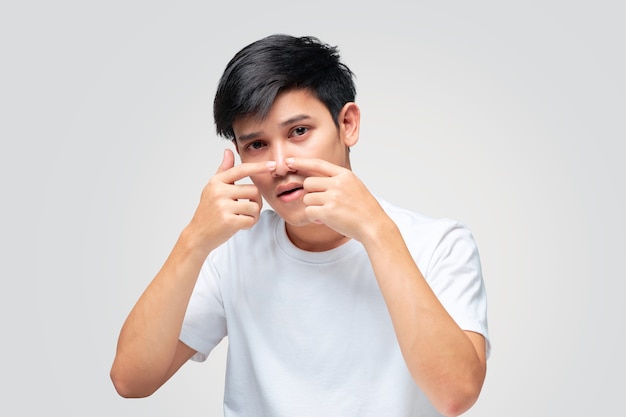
(309, 333)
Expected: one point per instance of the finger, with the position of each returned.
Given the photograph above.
(316, 184)
(248, 208)
(245, 191)
(246, 214)
(257, 198)
(315, 214)
(228, 161)
(241, 171)
(317, 166)
(242, 221)
(248, 192)
(314, 199)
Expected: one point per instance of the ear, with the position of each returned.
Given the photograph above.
(349, 123)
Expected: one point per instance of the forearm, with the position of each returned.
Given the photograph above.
(440, 356)
(149, 336)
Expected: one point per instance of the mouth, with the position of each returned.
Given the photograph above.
(289, 191)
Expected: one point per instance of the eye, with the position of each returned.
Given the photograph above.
(255, 145)
(299, 131)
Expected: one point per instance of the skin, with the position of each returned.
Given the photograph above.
(298, 148)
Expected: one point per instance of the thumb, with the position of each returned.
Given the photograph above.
(228, 161)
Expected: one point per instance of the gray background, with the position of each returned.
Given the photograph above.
(508, 117)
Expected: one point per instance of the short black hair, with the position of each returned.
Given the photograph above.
(260, 71)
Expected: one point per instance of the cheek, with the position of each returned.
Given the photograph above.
(257, 180)
(262, 182)
(324, 148)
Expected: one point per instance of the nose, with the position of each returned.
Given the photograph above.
(279, 156)
(281, 168)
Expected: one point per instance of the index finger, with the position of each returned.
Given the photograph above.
(245, 170)
(318, 166)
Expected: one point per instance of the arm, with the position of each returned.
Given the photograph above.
(149, 351)
(448, 363)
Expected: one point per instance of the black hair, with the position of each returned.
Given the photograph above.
(260, 71)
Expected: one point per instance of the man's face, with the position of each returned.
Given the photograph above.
(298, 125)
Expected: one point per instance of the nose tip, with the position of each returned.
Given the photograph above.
(281, 168)
(280, 154)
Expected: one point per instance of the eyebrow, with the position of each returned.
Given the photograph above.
(254, 135)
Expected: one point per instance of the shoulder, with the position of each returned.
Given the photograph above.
(433, 239)
(430, 228)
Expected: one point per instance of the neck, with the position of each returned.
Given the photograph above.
(315, 237)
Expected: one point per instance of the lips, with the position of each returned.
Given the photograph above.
(289, 191)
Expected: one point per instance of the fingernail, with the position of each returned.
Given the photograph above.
(271, 164)
(289, 161)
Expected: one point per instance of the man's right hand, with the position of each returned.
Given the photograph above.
(226, 207)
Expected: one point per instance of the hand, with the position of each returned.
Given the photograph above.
(337, 198)
(226, 207)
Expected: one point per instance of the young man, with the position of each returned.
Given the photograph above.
(335, 303)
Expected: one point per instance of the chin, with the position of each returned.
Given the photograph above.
(294, 218)
(292, 215)
(296, 221)
(301, 223)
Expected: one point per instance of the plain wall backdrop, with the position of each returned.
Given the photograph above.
(507, 117)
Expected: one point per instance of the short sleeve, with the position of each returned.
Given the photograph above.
(455, 275)
(204, 325)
